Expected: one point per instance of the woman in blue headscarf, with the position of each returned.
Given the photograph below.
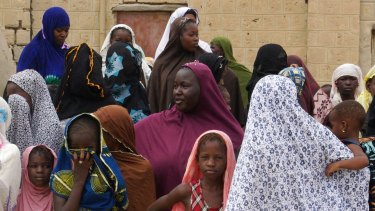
(45, 53)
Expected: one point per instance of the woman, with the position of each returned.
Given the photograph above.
(10, 168)
(86, 176)
(166, 138)
(222, 46)
(34, 120)
(310, 86)
(182, 47)
(284, 156)
(228, 80)
(45, 53)
(118, 133)
(178, 13)
(82, 88)
(365, 98)
(270, 60)
(122, 76)
(123, 33)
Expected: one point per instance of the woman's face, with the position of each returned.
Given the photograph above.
(189, 37)
(216, 50)
(347, 85)
(186, 90)
(121, 35)
(39, 169)
(60, 35)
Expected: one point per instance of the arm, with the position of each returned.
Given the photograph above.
(179, 194)
(80, 173)
(359, 161)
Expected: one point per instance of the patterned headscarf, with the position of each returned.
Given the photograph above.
(38, 124)
(297, 75)
(284, 155)
(104, 188)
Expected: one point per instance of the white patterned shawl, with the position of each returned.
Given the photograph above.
(284, 155)
(38, 125)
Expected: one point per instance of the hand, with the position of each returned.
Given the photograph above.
(82, 166)
(332, 168)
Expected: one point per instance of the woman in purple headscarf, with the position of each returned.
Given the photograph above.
(167, 138)
(45, 53)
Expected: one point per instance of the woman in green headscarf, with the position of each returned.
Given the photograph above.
(223, 47)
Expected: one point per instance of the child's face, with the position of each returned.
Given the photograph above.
(39, 169)
(370, 86)
(84, 140)
(336, 126)
(212, 159)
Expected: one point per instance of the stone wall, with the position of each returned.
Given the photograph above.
(325, 33)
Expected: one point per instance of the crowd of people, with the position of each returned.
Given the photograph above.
(190, 129)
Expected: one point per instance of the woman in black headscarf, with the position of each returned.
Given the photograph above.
(270, 60)
(82, 89)
(123, 75)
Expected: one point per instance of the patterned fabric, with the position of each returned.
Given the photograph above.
(197, 200)
(42, 53)
(122, 75)
(284, 155)
(345, 70)
(104, 188)
(322, 106)
(368, 146)
(10, 163)
(297, 75)
(38, 124)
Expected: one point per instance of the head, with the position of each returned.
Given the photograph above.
(121, 34)
(297, 75)
(370, 86)
(56, 25)
(191, 14)
(13, 88)
(346, 119)
(84, 133)
(40, 165)
(217, 64)
(216, 49)
(222, 46)
(212, 156)
(186, 90)
(189, 38)
(327, 89)
(270, 59)
(347, 85)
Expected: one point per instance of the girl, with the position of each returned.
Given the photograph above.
(205, 185)
(37, 164)
(86, 176)
(346, 120)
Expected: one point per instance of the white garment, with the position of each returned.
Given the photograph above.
(346, 70)
(106, 44)
(10, 162)
(284, 154)
(178, 13)
(38, 124)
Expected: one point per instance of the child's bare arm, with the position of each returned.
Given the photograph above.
(359, 161)
(178, 194)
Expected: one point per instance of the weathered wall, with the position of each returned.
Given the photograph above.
(367, 25)
(325, 33)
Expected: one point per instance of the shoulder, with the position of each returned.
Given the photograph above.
(181, 192)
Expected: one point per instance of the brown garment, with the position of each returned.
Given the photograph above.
(166, 66)
(232, 84)
(118, 132)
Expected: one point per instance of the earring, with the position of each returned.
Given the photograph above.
(343, 131)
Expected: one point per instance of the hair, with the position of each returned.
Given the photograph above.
(185, 24)
(191, 11)
(119, 28)
(44, 151)
(84, 123)
(351, 111)
(212, 137)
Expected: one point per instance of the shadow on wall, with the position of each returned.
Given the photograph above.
(8, 66)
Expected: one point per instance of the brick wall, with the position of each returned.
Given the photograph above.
(325, 33)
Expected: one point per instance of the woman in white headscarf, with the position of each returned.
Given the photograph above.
(178, 13)
(10, 162)
(284, 155)
(110, 38)
(35, 120)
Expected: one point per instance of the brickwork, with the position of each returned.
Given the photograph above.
(324, 33)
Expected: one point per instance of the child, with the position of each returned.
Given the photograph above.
(346, 120)
(37, 164)
(205, 185)
(86, 176)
